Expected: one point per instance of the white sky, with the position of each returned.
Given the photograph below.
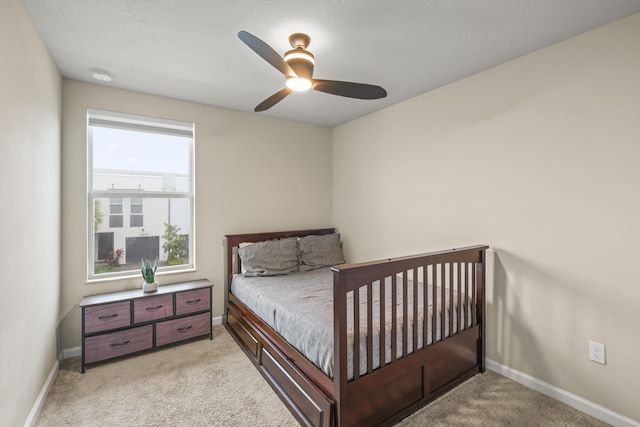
(139, 151)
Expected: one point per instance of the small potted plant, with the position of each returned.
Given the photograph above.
(148, 274)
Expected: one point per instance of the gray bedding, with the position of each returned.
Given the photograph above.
(300, 308)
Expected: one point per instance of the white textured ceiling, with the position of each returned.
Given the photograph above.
(189, 49)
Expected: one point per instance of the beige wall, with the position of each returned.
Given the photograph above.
(30, 215)
(539, 159)
(253, 173)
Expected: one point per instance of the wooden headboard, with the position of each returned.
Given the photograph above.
(233, 240)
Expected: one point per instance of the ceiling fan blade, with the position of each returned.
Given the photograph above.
(273, 100)
(267, 53)
(349, 89)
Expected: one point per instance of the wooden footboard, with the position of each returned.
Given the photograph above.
(417, 361)
(436, 339)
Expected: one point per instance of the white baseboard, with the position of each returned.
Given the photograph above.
(575, 401)
(37, 406)
(68, 353)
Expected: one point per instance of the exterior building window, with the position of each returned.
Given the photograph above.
(115, 212)
(141, 184)
(136, 218)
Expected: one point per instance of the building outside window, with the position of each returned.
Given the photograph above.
(136, 217)
(115, 212)
(140, 194)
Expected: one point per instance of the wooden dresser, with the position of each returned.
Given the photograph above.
(122, 323)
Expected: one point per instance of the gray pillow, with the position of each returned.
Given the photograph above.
(270, 258)
(317, 251)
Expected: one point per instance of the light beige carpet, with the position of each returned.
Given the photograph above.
(212, 383)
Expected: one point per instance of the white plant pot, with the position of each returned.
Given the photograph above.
(149, 287)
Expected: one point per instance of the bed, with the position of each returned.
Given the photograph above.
(356, 344)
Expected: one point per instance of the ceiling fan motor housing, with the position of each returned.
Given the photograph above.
(301, 61)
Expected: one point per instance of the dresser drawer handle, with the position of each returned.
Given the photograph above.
(107, 317)
(120, 344)
(153, 308)
(183, 330)
(193, 301)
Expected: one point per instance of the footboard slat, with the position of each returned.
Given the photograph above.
(383, 321)
(459, 326)
(369, 328)
(394, 318)
(443, 307)
(356, 333)
(434, 299)
(405, 309)
(474, 298)
(450, 305)
(415, 309)
(425, 302)
(467, 317)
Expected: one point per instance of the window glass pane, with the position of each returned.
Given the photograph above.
(132, 160)
(136, 205)
(115, 221)
(162, 231)
(136, 221)
(115, 206)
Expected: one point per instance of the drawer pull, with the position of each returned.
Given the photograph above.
(183, 330)
(120, 344)
(193, 301)
(107, 317)
(153, 308)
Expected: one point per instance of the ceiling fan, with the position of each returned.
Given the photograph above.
(297, 66)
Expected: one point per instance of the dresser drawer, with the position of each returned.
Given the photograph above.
(152, 308)
(107, 316)
(192, 301)
(182, 329)
(107, 346)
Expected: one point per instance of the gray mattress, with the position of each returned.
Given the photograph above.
(299, 307)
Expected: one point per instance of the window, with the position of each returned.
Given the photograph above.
(140, 194)
(115, 212)
(135, 220)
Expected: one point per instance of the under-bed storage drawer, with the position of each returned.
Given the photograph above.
(192, 301)
(458, 355)
(107, 346)
(183, 328)
(234, 318)
(311, 405)
(107, 316)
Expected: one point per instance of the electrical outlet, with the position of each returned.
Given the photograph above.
(596, 352)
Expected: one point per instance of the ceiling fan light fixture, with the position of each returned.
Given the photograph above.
(298, 84)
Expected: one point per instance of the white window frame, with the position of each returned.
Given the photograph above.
(125, 121)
